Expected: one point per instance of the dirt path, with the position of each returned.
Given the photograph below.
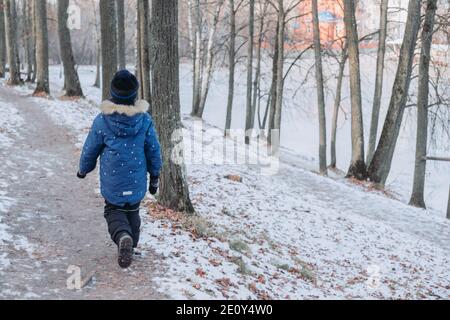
(56, 221)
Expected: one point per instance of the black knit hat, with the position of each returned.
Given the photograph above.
(124, 88)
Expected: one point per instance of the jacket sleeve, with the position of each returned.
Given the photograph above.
(93, 147)
(153, 152)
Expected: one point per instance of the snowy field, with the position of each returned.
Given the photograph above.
(293, 235)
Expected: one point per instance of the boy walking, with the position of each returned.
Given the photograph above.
(124, 138)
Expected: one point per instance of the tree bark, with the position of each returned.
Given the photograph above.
(448, 204)
(42, 86)
(250, 114)
(193, 45)
(33, 48)
(98, 57)
(2, 41)
(72, 82)
(232, 66)
(276, 134)
(373, 136)
(120, 7)
(337, 106)
(16, 18)
(256, 103)
(98, 65)
(198, 65)
(273, 88)
(357, 167)
(320, 91)
(144, 34)
(109, 47)
(139, 49)
(11, 43)
(28, 39)
(417, 197)
(382, 159)
(174, 191)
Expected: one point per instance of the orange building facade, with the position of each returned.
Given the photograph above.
(300, 33)
(332, 30)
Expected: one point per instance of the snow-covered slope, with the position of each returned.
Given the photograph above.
(298, 235)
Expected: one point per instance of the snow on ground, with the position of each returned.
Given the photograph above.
(10, 121)
(285, 236)
(297, 235)
(77, 115)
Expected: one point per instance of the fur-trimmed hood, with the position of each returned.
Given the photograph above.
(108, 108)
(125, 120)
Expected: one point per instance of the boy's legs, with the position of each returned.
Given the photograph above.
(117, 219)
(134, 220)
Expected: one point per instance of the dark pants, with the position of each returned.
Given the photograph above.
(123, 219)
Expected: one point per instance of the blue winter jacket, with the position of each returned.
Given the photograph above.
(125, 140)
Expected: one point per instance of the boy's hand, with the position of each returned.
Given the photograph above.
(154, 184)
(81, 175)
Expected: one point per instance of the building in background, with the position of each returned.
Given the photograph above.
(299, 31)
(332, 28)
(331, 17)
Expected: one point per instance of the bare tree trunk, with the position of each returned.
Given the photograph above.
(417, 197)
(193, 45)
(11, 43)
(198, 66)
(337, 106)
(320, 91)
(263, 124)
(98, 47)
(33, 48)
(276, 134)
(72, 82)
(42, 86)
(382, 159)
(256, 103)
(144, 35)
(120, 7)
(16, 19)
(273, 90)
(109, 47)
(98, 65)
(24, 35)
(139, 74)
(174, 192)
(250, 114)
(379, 80)
(357, 167)
(2, 41)
(448, 204)
(206, 79)
(28, 38)
(232, 66)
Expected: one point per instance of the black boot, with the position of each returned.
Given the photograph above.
(125, 251)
